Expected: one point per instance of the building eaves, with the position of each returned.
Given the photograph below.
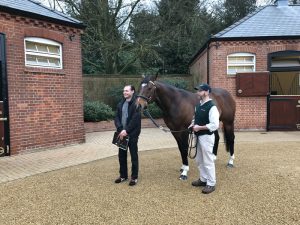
(35, 10)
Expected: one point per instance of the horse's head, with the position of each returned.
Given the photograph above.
(146, 91)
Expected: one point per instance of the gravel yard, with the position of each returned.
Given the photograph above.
(263, 188)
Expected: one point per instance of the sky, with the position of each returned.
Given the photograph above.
(147, 2)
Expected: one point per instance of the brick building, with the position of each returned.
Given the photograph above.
(258, 60)
(41, 78)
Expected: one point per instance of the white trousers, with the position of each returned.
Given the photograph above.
(205, 159)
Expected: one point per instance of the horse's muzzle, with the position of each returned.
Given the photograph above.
(142, 101)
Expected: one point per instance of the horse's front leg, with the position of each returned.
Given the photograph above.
(184, 172)
(182, 142)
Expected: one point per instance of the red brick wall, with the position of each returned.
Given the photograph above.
(199, 69)
(251, 111)
(45, 105)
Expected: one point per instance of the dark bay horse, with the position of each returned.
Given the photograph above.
(178, 108)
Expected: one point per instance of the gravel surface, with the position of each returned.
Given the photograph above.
(263, 188)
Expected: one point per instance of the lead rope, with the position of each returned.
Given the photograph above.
(146, 113)
(190, 142)
(191, 134)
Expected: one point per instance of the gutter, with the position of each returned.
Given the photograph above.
(259, 38)
(41, 17)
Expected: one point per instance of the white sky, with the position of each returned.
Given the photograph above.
(150, 3)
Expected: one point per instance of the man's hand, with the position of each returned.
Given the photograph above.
(122, 134)
(191, 128)
(197, 128)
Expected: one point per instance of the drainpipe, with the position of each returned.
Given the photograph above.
(207, 50)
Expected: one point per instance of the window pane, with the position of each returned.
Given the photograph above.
(30, 46)
(31, 59)
(54, 62)
(42, 48)
(249, 59)
(42, 59)
(53, 49)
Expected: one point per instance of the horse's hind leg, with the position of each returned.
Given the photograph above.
(231, 150)
(216, 144)
(229, 139)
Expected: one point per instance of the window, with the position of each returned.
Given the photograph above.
(285, 61)
(240, 62)
(44, 53)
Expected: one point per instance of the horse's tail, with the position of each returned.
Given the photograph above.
(228, 130)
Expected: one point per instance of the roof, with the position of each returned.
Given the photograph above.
(34, 9)
(267, 21)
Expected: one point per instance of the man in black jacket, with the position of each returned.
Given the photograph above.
(128, 123)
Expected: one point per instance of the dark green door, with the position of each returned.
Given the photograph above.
(4, 127)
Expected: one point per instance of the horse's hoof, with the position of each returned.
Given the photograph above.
(229, 165)
(183, 177)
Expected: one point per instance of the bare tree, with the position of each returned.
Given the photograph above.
(104, 41)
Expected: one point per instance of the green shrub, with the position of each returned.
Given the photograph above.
(95, 111)
(179, 83)
(115, 94)
(155, 111)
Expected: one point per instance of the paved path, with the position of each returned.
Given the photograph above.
(98, 145)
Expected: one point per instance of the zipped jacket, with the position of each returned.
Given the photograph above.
(133, 122)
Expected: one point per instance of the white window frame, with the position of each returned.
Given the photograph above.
(46, 55)
(241, 65)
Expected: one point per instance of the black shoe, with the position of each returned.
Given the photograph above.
(120, 179)
(199, 183)
(133, 182)
(208, 189)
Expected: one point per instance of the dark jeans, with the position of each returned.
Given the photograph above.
(133, 149)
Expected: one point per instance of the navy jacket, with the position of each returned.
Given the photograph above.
(133, 125)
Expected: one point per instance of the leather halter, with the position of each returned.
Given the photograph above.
(147, 99)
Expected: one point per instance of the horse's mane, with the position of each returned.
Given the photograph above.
(167, 85)
(173, 88)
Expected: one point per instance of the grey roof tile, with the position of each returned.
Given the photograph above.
(36, 9)
(267, 21)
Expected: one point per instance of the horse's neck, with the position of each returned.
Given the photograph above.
(164, 96)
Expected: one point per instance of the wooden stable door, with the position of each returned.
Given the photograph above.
(285, 113)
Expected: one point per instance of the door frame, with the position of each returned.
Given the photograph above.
(4, 93)
(279, 97)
